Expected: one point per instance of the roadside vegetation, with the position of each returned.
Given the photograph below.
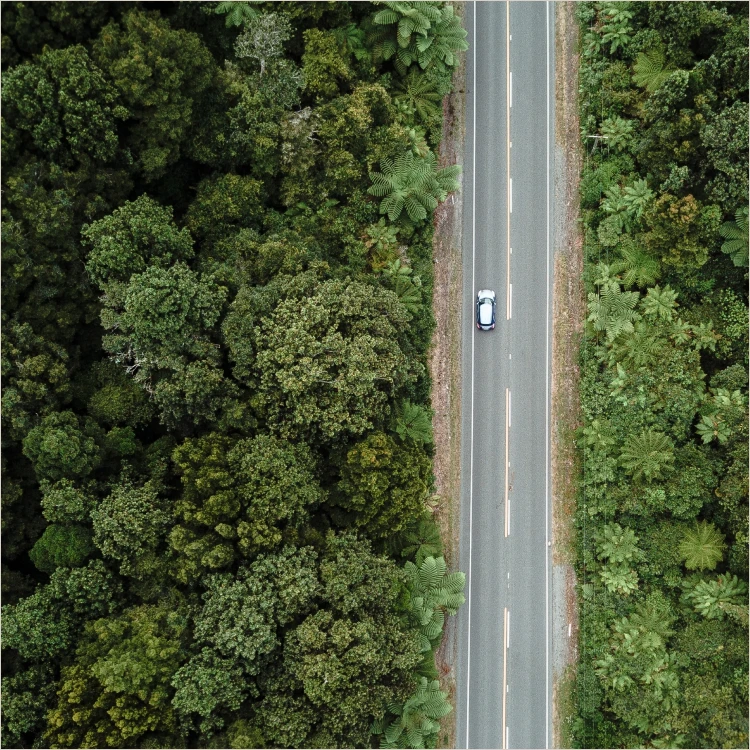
(662, 518)
(217, 443)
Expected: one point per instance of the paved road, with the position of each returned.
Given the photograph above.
(504, 642)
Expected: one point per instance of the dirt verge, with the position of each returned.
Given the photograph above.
(445, 370)
(567, 329)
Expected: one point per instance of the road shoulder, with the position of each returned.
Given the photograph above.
(445, 371)
(567, 330)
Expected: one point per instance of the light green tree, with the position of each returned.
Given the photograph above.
(647, 455)
(702, 547)
(414, 724)
(412, 183)
(736, 235)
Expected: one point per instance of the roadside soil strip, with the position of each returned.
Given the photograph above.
(568, 314)
(445, 369)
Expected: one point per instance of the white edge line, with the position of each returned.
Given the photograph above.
(510, 195)
(471, 452)
(546, 415)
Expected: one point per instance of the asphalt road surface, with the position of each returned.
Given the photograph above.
(504, 674)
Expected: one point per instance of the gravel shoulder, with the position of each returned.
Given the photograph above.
(445, 370)
(567, 329)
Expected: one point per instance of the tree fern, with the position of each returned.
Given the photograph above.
(636, 198)
(411, 183)
(736, 235)
(650, 69)
(419, 93)
(619, 578)
(660, 303)
(420, 539)
(618, 132)
(616, 544)
(433, 592)
(414, 724)
(637, 267)
(710, 598)
(702, 547)
(647, 455)
(413, 422)
(612, 310)
(238, 12)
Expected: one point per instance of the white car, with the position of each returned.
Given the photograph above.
(486, 310)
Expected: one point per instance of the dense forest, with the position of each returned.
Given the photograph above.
(217, 281)
(662, 519)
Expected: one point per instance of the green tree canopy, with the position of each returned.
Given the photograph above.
(160, 73)
(140, 233)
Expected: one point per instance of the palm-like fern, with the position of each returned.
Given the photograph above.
(411, 183)
(647, 455)
(736, 235)
(636, 198)
(414, 422)
(637, 266)
(443, 43)
(619, 578)
(612, 310)
(419, 540)
(419, 93)
(642, 347)
(660, 303)
(433, 592)
(714, 598)
(617, 545)
(425, 33)
(238, 12)
(415, 723)
(618, 132)
(702, 547)
(650, 69)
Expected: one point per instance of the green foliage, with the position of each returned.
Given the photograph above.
(421, 32)
(647, 455)
(63, 502)
(412, 183)
(417, 720)
(433, 593)
(327, 363)
(715, 598)
(414, 422)
(736, 235)
(65, 104)
(650, 69)
(702, 547)
(139, 234)
(664, 482)
(159, 73)
(323, 66)
(46, 624)
(187, 234)
(238, 12)
(383, 484)
(239, 499)
(26, 698)
(129, 524)
(118, 690)
(58, 449)
(61, 547)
